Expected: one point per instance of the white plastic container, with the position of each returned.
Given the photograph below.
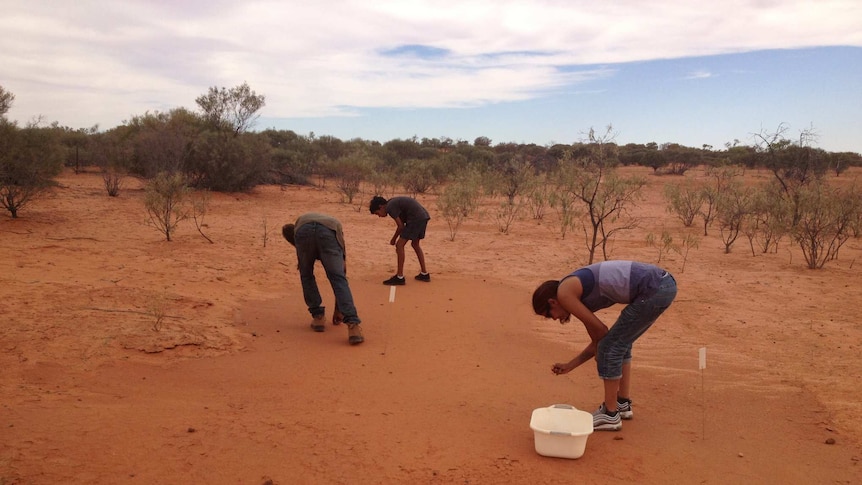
(561, 430)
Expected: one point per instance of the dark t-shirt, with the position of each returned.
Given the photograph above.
(407, 208)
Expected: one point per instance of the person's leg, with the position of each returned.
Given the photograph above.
(415, 232)
(614, 352)
(332, 258)
(612, 388)
(626, 381)
(307, 254)
(399, 252)
(420, 255)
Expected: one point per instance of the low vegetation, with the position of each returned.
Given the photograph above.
(182, 152)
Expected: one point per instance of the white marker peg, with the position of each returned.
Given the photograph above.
(702, 358)
(391, 294)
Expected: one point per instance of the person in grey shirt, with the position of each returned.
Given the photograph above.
(319, 237)
(645, 289)
(411, 220)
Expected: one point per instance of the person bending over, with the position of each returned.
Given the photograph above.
(411, 219)
(645, 289)
(319, 237)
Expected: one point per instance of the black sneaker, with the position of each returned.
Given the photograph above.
(624, 406)
(395, 281)
(426, 277)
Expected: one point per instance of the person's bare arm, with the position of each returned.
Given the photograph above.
(569, 297)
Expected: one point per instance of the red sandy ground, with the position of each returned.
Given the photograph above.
(235, 387)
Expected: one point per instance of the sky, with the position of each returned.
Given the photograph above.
(539, 71)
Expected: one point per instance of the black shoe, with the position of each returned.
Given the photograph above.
(624, 406)
(395, 281)
(426, 277)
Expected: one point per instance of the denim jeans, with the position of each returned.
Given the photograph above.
(616, 347)
(317, 242)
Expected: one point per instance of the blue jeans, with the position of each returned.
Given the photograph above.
(317, 242)
(634, 320)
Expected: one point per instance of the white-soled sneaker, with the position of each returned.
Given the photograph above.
(604, 421)
(624, 406)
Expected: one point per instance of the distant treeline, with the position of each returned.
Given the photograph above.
(215, 149)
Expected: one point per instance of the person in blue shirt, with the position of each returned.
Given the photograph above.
(645, 289)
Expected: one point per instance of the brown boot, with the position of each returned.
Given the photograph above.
(317, 323)
(354, 334)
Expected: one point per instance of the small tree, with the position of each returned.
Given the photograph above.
(200, 205)
(460, 199)
(688, 242)
(732, 209)
(711, 193)
(507, 213)
(231, 110)
(684, 201)
(770, 219)
(604, 196)
(538, 196)
(165, 201)
(30, 158)
(663, 245)
(826, 216)
(349, 172)
(6, 99)
(417, 177)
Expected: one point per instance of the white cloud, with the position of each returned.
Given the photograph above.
(701, 74)
(93, 62)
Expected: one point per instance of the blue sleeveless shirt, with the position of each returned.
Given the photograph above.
(611, 282)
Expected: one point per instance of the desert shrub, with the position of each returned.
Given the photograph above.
(349, 172)
(507, 213)
(459, 199)
(538, 196)
(770, 220)
(417, 177)
(732, 209)
(165, 200)
(688, 242)
(825, 219)
(30, 158)
(684, 201)
(229, 164)
(720, 178)
(200, 201)
(113, 180)
(663, 243)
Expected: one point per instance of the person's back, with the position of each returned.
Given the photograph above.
(616, 281)
(407, 208)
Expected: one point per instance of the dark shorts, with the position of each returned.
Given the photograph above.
(414, 230)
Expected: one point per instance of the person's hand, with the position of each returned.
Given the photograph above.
(561, 369)
(392, 241)
(337, 317)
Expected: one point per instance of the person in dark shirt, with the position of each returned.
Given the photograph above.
(411, 220)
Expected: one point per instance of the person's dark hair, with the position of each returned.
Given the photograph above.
(376, 202)
(287, 232)
(543, 293)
